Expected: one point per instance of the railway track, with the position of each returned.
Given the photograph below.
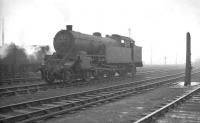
(185, 109)
(33, 88)
(154, 70)
(16, 75)
(158, 67)
(26, 78)
(11, 79)
(50, 107)
(19, 78)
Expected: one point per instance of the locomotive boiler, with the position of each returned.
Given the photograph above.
(88, 57)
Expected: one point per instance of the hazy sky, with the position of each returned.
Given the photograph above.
(160, 25)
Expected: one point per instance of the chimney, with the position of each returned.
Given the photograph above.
(97, 34)
(107, 36)
(69, 27)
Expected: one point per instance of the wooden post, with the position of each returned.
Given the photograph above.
(188, 61)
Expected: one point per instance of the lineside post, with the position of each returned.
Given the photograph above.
(132, 44)
(188, 60)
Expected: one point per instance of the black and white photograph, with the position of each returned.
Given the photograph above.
(99, 61)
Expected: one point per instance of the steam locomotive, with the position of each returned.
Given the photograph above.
(89, 57)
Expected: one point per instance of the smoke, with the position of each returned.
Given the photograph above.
(3, 51)
(12, 58)
(16, 55)
(13, 54)
(38, 54)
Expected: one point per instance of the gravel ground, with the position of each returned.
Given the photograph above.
(63, 91)
(126, 110)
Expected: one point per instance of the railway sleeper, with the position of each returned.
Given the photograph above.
(104, 100)
(41, 110)
(64, 104)
(6, 94)
(61, 103)
(34, 90)
(190, 108)
(195, 99)
(12, 89)
(107, 96)
(176, 111)
(193, 102)
(22, 91)
(16, 115)
(43, 88)
(2, 90)
(187, 118)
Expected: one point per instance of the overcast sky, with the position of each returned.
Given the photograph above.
(160, 25)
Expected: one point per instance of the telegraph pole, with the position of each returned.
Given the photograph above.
(188, 60)
(2, 32)
(151, 55)
(129, 32)
(132, 45)
(165, 60)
